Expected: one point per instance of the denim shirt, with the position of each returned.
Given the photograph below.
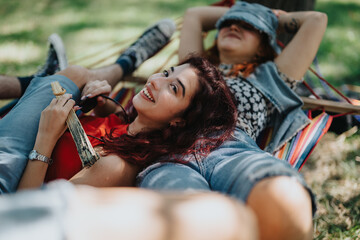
(289, 117)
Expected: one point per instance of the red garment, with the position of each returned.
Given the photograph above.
(66, 158)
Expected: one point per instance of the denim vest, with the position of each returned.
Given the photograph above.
(289, 117)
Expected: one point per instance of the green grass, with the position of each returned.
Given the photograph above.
(87, 26)
(333, 173)
(92, 26)
(339, 52)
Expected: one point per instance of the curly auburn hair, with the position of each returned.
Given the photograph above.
(210, 118)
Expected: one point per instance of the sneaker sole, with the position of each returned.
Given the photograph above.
(166, 26)
(59, 47)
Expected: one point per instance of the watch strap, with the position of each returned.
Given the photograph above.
(34, 155)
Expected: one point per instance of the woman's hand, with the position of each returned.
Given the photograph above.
(51, 127)
(278, 12)
(53, 121)
(95, 88)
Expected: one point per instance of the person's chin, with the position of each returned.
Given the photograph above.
(229, 47)
(230, 44)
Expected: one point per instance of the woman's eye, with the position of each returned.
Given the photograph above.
(226, 25)
(166, 73)
(174, 88)
(247, 27)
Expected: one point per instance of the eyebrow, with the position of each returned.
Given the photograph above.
(182, 85)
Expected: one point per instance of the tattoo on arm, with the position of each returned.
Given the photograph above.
(292, 26)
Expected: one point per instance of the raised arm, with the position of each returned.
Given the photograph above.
(196, 21)
(298, 55)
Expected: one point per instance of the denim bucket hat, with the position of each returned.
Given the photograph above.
(258, 16)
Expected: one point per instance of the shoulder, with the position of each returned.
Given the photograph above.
(109, 171)
(265, 70)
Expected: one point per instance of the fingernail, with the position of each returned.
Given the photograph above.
(83, 97)
(89, 95)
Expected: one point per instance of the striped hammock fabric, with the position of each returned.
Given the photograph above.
(356, 102)
(299, 148)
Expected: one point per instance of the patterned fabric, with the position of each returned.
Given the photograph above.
(254, 110)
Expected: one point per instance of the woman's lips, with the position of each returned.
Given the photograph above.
(147, 94)
(232, 35)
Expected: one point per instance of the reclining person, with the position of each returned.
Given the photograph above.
(261, 79)
(174, 110)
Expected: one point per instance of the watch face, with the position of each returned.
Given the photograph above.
(32, 155)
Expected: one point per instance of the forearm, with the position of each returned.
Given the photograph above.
(52, 125)
(206, 16)
(35, 171)
(299, 53)
(291, 22)
(196, 21)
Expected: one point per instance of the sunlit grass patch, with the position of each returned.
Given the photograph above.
(332, 172)
(18, 53)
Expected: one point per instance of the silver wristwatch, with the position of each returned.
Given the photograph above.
(34, 155)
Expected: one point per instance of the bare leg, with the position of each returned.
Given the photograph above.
(84, 212)
(9, 87)
(112, 73)
(158, 35)
(130, 213)
(14, 87)
(150, 42)
(209, 216)
(81, 75)
(283, 209)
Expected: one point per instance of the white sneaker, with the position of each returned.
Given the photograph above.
(56, 59)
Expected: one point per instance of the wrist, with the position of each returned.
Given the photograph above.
(44, 145)
(37, 156)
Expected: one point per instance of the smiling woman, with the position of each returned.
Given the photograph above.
(174, 109)
(184, 102)
(167, 95)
